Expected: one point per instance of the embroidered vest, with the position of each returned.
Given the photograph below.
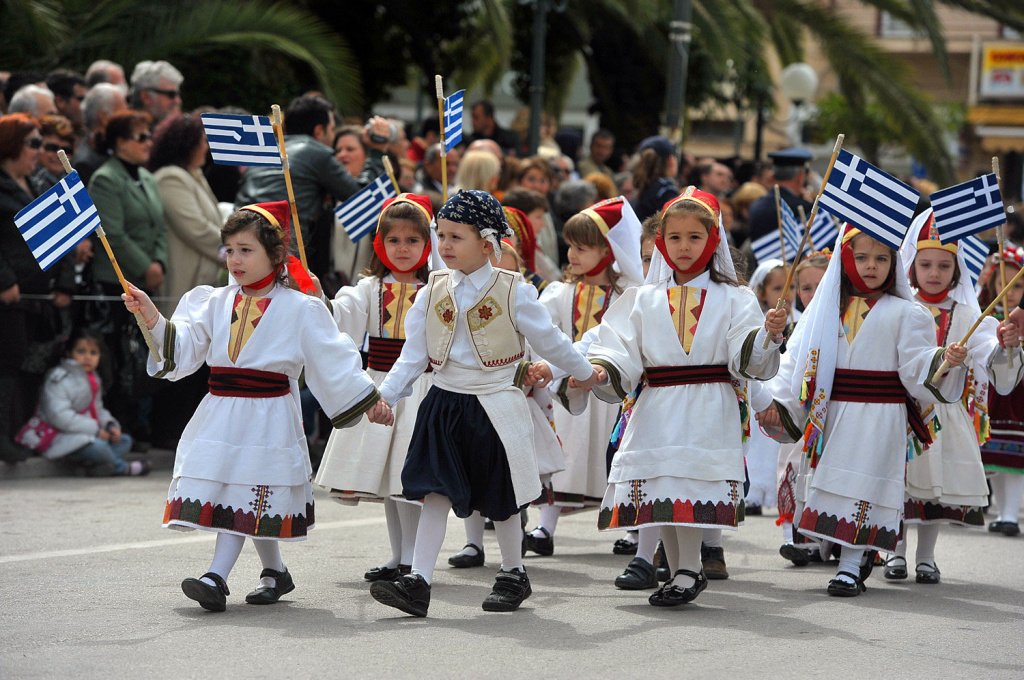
(490, 321)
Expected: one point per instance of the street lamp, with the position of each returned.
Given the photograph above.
(798, 83)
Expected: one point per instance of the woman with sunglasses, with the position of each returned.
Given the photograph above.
(128, 202)
(27, 327)
(58, 134)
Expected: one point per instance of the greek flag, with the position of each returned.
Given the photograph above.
(241, 140)
(968, 208)
(358, 215)
(975, 253)
(823, 230)
(453, 120)
(57, 221)
(872, 200)
(767, 247)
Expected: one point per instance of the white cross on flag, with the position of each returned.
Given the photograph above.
(453, 120)
(241, 140)
(358, 215)
(57, 221)
(968, 208)
(868, 198)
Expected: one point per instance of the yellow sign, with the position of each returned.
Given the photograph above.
(1002, 71)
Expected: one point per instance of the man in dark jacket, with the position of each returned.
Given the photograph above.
(316, 174)
(790, 174)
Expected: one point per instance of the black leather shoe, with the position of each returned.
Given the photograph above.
(624, 546)
(673, 596)
(639, 575)
(867, 564)
(895, 568)
(712, 562)
(268, 595)
(661, 570)
(928, 576)
(1010, 529)
(798, 556)
(754, 510)
(463, 561)
(509, 591)
(838, 587)
(211, 598)
(387, 573)
(544, 546)
(411, 594)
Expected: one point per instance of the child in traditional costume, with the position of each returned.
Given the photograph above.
(1003, 453)
(859, 356)
(604, 261)
(763, 451)
(366, 462)
(695, 334)
(793, 471)
(472, 447)
(242, 468)
(946, 483)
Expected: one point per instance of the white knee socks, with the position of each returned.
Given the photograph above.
(927, 535)
(409, 518)
(688, 540)
(510, 541)
(712, 538)
(225, 554)
(647, 543)
(430, 534)
(849, 561)
(394, 532)
(474, 533)
(270, 557)
(548, 519)
(1009, 499)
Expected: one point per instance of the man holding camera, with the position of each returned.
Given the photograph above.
(318, 179)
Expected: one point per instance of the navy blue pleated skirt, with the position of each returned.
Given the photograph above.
(456, 452)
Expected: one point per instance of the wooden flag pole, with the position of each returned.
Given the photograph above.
(388, 168)
(999, 237)
(146, 334)
(988, 310)
(807, 229)
(439, 87)
(277, 122)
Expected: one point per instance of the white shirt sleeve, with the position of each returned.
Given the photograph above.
(546, 339)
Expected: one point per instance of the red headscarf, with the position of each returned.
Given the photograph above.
(710, 204)
(523, 228)
(419, 201)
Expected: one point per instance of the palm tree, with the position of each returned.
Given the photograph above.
(250, 37)
(624, 43)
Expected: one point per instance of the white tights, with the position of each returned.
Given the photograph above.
(402, 519)
(1007, 489)
(229, 547)
(682, 549)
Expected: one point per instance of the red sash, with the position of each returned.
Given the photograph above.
(247, 382)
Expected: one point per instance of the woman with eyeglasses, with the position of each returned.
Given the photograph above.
(58, 134)
(128, 202)
(29, 328)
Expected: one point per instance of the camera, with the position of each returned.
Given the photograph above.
(379, 139)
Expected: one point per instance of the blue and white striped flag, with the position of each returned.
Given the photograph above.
(975, 253)
(453, 120)
(823, 230)
(56, 222)
(358, 215)
(968, 208)
(768, 247)
(241, 140)
(871, 200)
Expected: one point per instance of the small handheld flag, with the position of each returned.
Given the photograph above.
(453, 120)
(968, 208)
(975, 254)
(358, 215)
(823, 230)
(768, 247)
(53, 224)
(870, 199)
(241, 140)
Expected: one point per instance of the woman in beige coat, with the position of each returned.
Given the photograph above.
(193, 219)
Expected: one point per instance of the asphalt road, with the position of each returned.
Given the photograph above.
(90, 590)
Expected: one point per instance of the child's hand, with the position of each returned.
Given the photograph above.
(381, 414)
(955, 354)
(319, 288)
(599, 376)
(115, 433)
(136, 300)
(769, 417)
(1009, 335)
(775, 322)
(104, 435)
(538, 375)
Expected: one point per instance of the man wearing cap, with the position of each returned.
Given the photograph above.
(790, 175)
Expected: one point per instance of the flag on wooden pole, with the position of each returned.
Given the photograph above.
(241, 140)
(968, 208)
(453, 120)
(57, 221)
(358, 215)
